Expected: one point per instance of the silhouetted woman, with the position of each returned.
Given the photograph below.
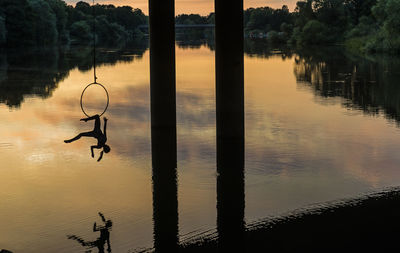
(96, 133)
(102, 240)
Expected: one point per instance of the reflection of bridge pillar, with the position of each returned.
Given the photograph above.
(165, 197)
(230, 124)
(163, 124)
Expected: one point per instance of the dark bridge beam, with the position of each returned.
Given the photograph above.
(163, 124)
(230, 124)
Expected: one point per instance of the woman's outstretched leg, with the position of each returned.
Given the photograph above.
(86, 134)
(96, 119)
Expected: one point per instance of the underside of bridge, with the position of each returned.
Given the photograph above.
(230, 124)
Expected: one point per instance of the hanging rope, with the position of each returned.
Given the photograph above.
(95, 83)
(94, 42)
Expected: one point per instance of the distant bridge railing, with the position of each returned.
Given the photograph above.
(180, 26)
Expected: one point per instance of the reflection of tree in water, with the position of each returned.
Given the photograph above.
(3, 66)
(194, 44)
(37, 72)
(194, 38)
(100, 242)
(82, 57)
(370, 85)
(261, 48)
(29, 73)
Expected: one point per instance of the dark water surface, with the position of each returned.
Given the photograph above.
(320, 125)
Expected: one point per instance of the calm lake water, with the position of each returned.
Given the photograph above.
(320, 126)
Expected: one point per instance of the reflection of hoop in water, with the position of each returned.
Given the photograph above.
(83, 92)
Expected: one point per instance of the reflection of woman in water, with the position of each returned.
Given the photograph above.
(95, 133)
(101, 241)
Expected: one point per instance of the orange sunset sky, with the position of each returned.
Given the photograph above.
(202, 7)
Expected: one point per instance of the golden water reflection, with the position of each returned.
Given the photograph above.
(299, 150)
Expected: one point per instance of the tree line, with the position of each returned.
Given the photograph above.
(51, 22)
(361, 25)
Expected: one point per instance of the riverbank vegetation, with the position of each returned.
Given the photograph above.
(363, 26)
(360, 25)
(51, 22)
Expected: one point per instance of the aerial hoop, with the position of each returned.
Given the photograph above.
(83, 92)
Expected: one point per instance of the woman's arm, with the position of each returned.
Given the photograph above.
(93, 147)
(95, 227)
(101, 156)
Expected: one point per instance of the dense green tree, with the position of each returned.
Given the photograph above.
(314, 32)
(18, 22)
(191, 19)
(332, 13)
(48, 22)
(81, 31)
(128, 17)
(84, 8)
(387, 38)
(266, 19)
(281, 16)
(304, 13)
(3, 31)
(378, 32)
(391, 24)
(273, 37)
(110, 32)
(359, 8)
(259, 19)
(286, 28)
(211, 18)
(320, 22)
(366, 26)
(59, 9)
(74, 15)
(44, 23)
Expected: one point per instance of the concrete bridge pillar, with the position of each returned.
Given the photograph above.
(230, 124)
(163, 124)
(229, 68)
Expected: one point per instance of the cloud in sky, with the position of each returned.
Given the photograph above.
(194, 6)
